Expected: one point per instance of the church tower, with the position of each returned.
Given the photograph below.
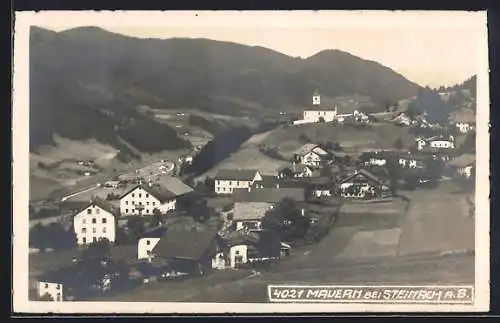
(316, 98)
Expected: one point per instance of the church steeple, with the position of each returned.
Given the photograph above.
(316, 98)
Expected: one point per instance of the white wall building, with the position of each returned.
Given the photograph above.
(314, 116)
(142, 200)
(145, 246)
(95, 222)
(227, 180)
(55, 290)
(464, 127)
(442, 144)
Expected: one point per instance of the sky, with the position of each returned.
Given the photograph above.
(431, 50)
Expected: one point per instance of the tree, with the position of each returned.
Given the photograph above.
(99, 250)
(136, 227)
(398, 144)
(329, 145)
(286, 220)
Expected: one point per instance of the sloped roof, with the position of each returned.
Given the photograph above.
(265, 242)
(362, 172)
(236, 174)
(270, 195)
(299, 168)
(185, 244)
(463, 160)
(268, 181)
(250, 210)
(305, 149)
(161, 193)
(174, 185)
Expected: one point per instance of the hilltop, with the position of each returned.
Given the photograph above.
(88, 83)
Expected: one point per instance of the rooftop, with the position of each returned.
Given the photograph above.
(174, 185)
(156, 190)
(250, 210)
(236, 174)
(185, 244)
(270, 195)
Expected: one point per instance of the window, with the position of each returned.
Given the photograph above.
(58, 298)
(94, 239)
(84, 230)
(126, 210)
(133, 202)
(147, 195)
(103, 230)
(153, 203)
(46, 285)
(147, 203)
(94, 230)
(94, 220)
(148, 242)
(133, 195)
(84, 240)
(89, 211)
(147, 210)
(58, 286)
(140, 195)
(83, 221)
(104, 220)
(140, 203)
(97, 211)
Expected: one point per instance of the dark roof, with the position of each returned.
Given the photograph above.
(299, 168)
(236, 174)
(155, 233)
(267, 181)
(271, 195)
(161, 193)
(265, 242)
(67, 206)
(105, 206)
(185, 244)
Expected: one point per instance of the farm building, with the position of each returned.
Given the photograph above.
(248, 215)
(311, 155)
(228, 180)
(250, 247)
(295, 170)
(204, 252)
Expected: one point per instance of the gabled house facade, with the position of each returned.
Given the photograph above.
(227, 180)
(362, 184)
(311, 155)
(145, 200)
(252, 247)
(95, 222)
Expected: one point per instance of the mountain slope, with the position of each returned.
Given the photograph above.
(86, 82)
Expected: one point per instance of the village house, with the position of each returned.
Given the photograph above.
(228, 180)
(253, 247)
(320, 187)
(464, 165)
(464, 120)
(362, 184)
(267, 181)
(146, 200)
(193, 252)
(181, 191)
(408, 160)
(311, 155)
(248, 215)
(295, 170)
(373, 158)
(95, 222)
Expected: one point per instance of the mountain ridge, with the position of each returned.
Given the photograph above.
(86, 82)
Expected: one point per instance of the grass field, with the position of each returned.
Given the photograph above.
(380, 135)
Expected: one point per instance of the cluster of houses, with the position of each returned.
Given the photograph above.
(463, 124)
(244, 240)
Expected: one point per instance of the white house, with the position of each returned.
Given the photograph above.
(464, 127)
(438, 142)
(402, 119)
(362, 184)
(227, 180)
(95, 222)
(249, 247)
(145, 246)
(311, 155)
(52, 289)
(142, 200)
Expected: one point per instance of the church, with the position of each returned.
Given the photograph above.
(317, 115)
